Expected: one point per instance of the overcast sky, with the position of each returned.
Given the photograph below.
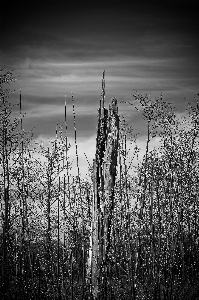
(57, 48)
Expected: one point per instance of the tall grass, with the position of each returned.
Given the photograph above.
(48, 215)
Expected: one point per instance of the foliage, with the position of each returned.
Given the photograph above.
(46, 213)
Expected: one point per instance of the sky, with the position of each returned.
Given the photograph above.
(62, 48)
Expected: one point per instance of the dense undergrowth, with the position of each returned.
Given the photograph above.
(46, 212)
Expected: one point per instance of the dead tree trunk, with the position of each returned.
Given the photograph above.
(103, 182)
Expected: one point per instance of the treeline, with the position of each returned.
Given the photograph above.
(46, 213)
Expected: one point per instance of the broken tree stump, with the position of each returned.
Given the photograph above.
(104, 166)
